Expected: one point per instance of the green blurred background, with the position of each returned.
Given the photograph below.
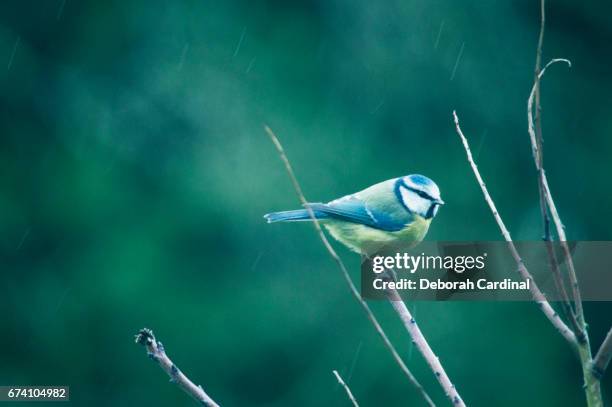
(134, 173)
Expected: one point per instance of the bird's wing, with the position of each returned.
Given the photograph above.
(379, 211)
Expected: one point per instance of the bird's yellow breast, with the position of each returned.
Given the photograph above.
(362, 239)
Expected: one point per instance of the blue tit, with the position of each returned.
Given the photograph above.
(393, 212)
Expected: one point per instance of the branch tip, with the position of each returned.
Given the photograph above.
(349, 393)
(156, 352)
(144, 337)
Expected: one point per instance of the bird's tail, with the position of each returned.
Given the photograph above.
(292, 216)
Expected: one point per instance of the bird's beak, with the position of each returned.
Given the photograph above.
(439, 202)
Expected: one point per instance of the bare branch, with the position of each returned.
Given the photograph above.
(349, 393)
(538, 135)
(531, 129)
(566, 250)
(603, 357)
(552, 258)
(157, 353)
(575, 314)
(535, 133)
(343, 270)
(536, 294)
(560, 284)
(550, 203)
(423, 346)
(536, 80)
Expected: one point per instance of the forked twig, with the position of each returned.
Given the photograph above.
(157, 353)
(539, 162)
(550, 203)
(536, 294)
(349, 393)
(590, 370)
(343, 270)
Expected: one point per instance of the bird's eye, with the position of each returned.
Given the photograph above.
(424, 195)
(420, 193)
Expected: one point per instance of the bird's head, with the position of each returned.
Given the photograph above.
(419, 195)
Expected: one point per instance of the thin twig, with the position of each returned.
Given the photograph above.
(547, 204)
(566, 251)
(344, 271)
(531, 129)
(349, 393)
(157, 353)
(535, 133)
(553, 263)
(538, 131)
(550, 203)
(536, 80)
(603, 357)
(547, 237)
(536, 294)
(423, 346)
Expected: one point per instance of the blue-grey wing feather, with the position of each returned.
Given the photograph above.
(349, 211)
(380, 214)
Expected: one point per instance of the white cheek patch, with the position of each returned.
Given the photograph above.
(414, 202)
